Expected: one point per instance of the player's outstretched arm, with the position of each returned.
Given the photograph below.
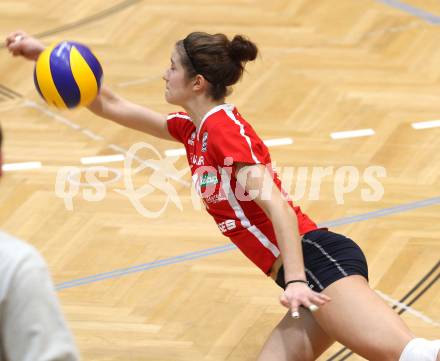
(113, 107)
(107, 104)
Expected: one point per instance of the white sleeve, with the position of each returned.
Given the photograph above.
(33, 327)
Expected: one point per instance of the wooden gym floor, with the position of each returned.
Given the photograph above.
(325, 66)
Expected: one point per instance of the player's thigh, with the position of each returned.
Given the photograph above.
(358, 318)
(296, 340)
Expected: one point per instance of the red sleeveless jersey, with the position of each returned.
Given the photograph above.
(225, 138)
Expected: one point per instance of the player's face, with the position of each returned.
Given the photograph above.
(178, 89)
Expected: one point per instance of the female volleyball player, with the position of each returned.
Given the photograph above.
(320, 271)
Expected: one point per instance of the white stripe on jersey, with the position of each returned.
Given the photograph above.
(231, 115)
(226, 184)
(171, 116)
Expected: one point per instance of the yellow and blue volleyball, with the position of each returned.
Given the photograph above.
(68, 75)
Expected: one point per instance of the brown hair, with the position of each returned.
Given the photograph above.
(219, 60)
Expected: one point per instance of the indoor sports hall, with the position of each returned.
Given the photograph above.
(346, 96)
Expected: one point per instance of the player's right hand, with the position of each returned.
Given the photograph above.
(21, 44)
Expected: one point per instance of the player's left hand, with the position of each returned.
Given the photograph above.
(299, 294)
(21, 44)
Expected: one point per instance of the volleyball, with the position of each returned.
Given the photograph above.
(68, 75)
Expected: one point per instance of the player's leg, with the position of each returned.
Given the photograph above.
(359, 319)
(295, 340)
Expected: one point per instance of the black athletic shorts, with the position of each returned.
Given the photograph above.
(328, 257)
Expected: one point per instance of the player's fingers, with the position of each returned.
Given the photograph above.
(284, 301)
(312, 306)
(323, 297)
(294, 309)
(319, 301)
(17, 32)
(18, 38)
(13, 46)
(16, 52)
(294, 313)
(9, 39)
(17, 49)
(12, 37)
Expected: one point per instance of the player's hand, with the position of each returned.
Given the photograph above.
(299, 294)
(21, 44)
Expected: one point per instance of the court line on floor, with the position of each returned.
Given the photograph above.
(144, 267)
(407, 309)
(412, 10)
(225, 248)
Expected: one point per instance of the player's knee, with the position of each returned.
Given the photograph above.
(419, 349)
